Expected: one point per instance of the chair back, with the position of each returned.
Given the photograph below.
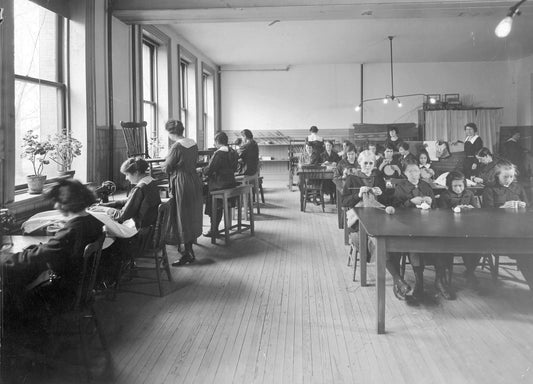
(136, 138)
(91, 261)
(161, 225)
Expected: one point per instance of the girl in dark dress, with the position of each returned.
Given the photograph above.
(507, 193)
(347, 166)
(185, 223)
(473, 144)
(248, 154)
(487, 167)
(393, 139)
(330, 158)
(220, 174)
(457, 196)
(412, 193)
(61, 254)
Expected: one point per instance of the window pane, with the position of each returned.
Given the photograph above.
(147, 72)
(35, 41)
(37, 107)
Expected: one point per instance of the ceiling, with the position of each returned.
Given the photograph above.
(248, 33)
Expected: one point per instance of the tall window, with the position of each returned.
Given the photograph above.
(40, 79)
(208, 93)
(184, 94)
(150, 95)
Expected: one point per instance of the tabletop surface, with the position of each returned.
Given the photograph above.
(478, 223)
(20, 242)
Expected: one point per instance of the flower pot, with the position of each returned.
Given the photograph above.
(35, 184)
(67, 174)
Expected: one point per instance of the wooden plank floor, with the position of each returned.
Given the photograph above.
(281, 307)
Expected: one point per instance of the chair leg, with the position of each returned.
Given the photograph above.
(322, 198)
(350, 255)
(158, 273)
(261, 191)
(166, 264)
(403, 264)
(227, 221)
(356, 253)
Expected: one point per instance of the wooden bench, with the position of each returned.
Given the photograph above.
(242, 193)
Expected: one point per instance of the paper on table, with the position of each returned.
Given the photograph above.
(114, 229)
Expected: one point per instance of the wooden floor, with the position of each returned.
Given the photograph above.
(281, 307)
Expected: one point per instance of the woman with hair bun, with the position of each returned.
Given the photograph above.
(186, 188)
(143, 200)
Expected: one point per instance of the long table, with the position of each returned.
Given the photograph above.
(500, 231)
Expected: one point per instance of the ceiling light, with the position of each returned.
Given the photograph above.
(385, 100)
(504, 27)
(432, 100)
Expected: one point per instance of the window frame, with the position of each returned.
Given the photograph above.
(190, 84)
(153, 102)
(61, 85)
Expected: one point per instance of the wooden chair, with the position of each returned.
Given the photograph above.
(152, 253)
(311, 184)
(81, 310)
(136, 138)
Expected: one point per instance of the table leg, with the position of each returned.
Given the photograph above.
(363, 253)
(340, 215)
(227, 220)
(214, 229)
(381, 254)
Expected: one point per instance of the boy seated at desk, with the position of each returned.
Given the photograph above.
(62, 254)
(416, 193)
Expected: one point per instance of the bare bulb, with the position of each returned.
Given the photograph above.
(357, 108)
(504, 27)
(400, 104)
(385, 101)
(432, 100)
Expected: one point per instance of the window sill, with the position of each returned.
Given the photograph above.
(25, 204)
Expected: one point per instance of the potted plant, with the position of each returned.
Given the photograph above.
(66, 148)
(35, 151)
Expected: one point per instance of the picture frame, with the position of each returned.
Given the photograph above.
(452, 98)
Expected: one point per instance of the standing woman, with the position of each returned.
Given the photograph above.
(473, 144)
(185, 224)
(393, 139)
(249, 153)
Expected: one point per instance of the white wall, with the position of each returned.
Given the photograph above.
(321, 95)
(524, 91)
(325, 95)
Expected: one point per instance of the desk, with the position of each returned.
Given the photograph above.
(501, 231)
(308, 175)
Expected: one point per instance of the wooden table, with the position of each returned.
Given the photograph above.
(500, 231)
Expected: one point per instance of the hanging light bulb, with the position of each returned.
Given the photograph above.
(386, 100)
(432, 100)
(399, 103)
(358, 108)
(504, 27)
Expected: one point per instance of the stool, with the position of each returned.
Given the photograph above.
(253, 180)
(260, 178)
(244, 193)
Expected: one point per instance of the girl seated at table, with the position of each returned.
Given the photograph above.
(62, 254)
(388, 165)
(309, 156)
(424, 163)
(416, 193)
(348, 165)
(487, 167)
(458, 197)
(140, 206)
(507, 193)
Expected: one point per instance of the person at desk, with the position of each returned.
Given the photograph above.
(415, 193)
(185, 222)
(424, 163)
(388, 165)
(393, 139)
(248, 154)
(406, 156)
(143, 200)
(364, 180)
(507, 193)
(347, 166)
(345, 145)
(487, 168)
(220, 175)
(308, 157)
(514, 152)
(473, 144)
(457, 196)
(330, 158)
(62, 254)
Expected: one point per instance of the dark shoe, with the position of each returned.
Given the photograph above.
(444, 290)
(401, 289)
(210, 234)
(187, 258)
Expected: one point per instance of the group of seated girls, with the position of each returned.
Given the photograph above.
(412, 192)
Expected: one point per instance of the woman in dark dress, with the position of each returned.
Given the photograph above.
(185, 224)
(487, 167)
(348, 165)
(220, 174)
(248, 154)
(62, 254)
(473, 144)
(393, 139)
(330, 158)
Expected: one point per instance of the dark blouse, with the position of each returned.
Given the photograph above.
(487, 173)
(350, 197)
(394, 161)
(342, 165)
(450, 199)
(141, 205)
(408, 159)
(333, 157)
(221, 169)
(396, 144)
(249, 155)
(472, 148)
(405, 191)
(63, 252)
(496, 195)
